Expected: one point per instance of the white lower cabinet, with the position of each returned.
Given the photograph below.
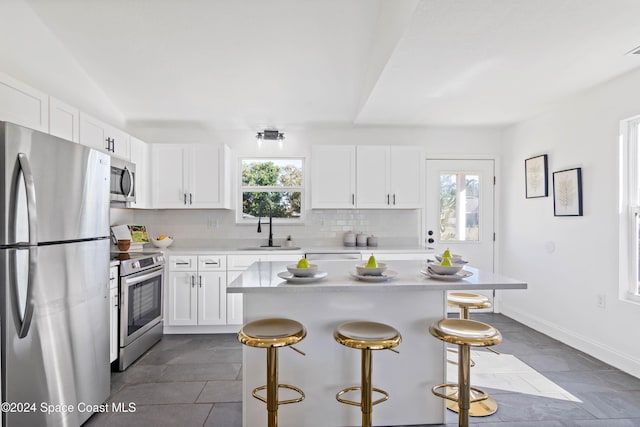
(197, 290)
(114, 302)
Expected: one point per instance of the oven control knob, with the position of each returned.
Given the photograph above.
(159, 259)
(135, 264)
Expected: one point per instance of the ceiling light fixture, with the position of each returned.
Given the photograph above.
(270, 135)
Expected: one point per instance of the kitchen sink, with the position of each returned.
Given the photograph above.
(272, 248)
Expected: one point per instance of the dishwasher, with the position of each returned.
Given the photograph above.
(332, 256)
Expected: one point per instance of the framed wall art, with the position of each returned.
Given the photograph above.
(567, 192)
(535, 169)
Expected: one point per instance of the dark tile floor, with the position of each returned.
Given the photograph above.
(196, 380)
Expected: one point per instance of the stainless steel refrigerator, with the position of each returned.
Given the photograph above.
(54, 251)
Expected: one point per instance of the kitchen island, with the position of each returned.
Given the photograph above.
(409, 302)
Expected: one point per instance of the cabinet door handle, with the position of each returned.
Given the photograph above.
(388, 199)
(113, 145)
(108, 144)
(220, 296)
(394, 198)
(190, 198)
(181, 263)
(185, 198)
(193, 282)
(353, 199)
(211, 263)
(200, 280)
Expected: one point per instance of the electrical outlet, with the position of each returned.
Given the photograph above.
(601, 301)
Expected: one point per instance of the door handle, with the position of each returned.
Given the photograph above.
(23, 324)
(185, 198)
(22, 165)
(200, 280)
(394, 198)
(353, 199)
(388, 199)
(131, 183)
(193, 282)
(190, 198)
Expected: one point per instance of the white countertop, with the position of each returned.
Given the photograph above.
(199, 250)
(263, 277)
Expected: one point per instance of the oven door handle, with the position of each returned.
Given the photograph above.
(132, 280)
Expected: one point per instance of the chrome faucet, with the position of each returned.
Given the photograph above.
(270, 242)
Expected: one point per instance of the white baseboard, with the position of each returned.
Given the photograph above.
(221, 329)
(622, 361)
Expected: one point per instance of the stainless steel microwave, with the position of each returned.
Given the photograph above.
(123, 183)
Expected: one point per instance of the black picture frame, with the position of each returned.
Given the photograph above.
(567, 192)
(536, 171)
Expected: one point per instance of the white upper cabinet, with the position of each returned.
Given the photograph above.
(104, 137)
(23, 105)
(333, 177)
(140, 156)
(366, 177)
(389, 177)
(64, 120)
(372, 177)
(191, 176)
(406, 177)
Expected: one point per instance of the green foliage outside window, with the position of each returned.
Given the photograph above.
(272, 183)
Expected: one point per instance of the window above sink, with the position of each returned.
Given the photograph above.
(276, 181)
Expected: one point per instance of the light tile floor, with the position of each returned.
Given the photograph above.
(196, 380)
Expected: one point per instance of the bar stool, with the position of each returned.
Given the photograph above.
(271, 334)
(467, 301)
(366, 336)
(465, 334)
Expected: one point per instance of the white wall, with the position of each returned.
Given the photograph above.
(31, 54)
(322, 227)
(564, 282)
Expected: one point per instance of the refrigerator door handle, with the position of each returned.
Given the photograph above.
(23, 324)
(32, 212)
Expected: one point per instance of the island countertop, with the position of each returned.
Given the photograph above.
(263, 276)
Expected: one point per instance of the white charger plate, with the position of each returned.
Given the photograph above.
(386, 275)
(289, 277)
(462, 274)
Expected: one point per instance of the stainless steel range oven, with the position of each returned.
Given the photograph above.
(141, 282)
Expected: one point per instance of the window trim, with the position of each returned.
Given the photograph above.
(628, 208)
(302, 189)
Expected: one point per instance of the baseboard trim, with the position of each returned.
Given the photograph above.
(622, 361)
(220, 329)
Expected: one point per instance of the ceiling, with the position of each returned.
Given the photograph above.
(305, 64)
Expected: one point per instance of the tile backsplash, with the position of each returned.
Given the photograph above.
(321, 227)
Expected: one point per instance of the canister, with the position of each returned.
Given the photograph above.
(349, 239)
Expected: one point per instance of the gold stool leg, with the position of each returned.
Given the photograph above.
(464, 390)
(366, 392)
(272, 386)
(464, 313)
